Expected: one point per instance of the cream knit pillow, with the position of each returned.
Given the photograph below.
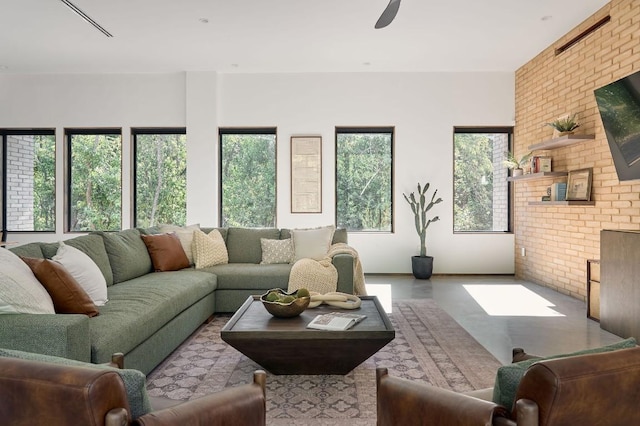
(209, 250)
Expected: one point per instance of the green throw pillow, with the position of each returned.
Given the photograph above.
(135, 382)
(509, 376)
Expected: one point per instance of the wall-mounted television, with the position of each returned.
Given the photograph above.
(619, 106)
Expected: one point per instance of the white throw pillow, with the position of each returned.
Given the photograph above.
(84, 270)
(209, 250)
(276, 251)
(312, 243)
(185, 235)
(20, 290)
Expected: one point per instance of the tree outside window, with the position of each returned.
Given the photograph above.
(364, 170)
(95, 180)
(480, 190)
(248, 177)
(160, 178)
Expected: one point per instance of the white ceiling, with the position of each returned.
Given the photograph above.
(44, 36)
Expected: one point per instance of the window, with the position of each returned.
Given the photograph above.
(248, 177)
(480, 188)
(160, 176)
(29, 192)
(364, 178)
(94, 179)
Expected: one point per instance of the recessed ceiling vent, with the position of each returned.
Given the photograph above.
(582, 35)
(86, 17)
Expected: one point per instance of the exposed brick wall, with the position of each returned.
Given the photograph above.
(20, 163)
(559, 239)
(500, 192)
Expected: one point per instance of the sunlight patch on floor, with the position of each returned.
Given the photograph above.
(383, 291)
(511, 300)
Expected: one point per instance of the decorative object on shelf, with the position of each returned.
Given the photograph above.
(422, 265)
(540, 163)
(281, 304)
(514, 164)
(565, 125)
(558, 191)
(579, 185)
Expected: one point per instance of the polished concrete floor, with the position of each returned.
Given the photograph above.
(501, 312)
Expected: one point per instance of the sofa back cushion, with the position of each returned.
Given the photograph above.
(28, 250)
(243, 244)
(128, 255)
(339, 236)
(92, 245)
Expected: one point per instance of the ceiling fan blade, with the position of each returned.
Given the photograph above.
(388, 14)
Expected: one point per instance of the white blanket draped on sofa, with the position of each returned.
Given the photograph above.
(322, 276)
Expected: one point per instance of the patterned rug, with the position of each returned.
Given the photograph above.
(429, 347)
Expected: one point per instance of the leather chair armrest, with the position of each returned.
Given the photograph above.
(238, 406)
(402, 402)
(35, 392)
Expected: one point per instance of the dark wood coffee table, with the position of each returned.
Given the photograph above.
(286, 346)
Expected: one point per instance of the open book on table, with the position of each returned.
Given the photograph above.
(335, 321)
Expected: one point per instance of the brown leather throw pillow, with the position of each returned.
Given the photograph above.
(166, 252)
(67, 295)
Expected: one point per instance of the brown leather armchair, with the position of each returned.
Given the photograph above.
(594, 389)
(35, 393)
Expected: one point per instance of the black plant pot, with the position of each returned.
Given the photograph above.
(422, 267)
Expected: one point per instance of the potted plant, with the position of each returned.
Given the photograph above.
(514, 164)
(422, 265)
(565, 125)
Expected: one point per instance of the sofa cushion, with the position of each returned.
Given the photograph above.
(84, 270)
(135, 382)
(312, 243)
(127, 253)
(92, 245)
(339, 236)
(28, 250)
(508, 376)
(141, 306)
(209, 249)
(166, 252)
(276, 251)
(243, 244)
(185, 235)
(238, 276)
(20, 290)
(67, 295)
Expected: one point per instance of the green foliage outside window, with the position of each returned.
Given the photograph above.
(161, 179)
(475, 202)
(96, 185)
(363, 181)
(44, 183)
(248, 176)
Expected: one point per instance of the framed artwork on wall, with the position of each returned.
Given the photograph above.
(306, 174)
(579, 185)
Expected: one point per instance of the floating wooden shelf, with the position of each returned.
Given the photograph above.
(562, 203)
(562, 141)
(541, 175)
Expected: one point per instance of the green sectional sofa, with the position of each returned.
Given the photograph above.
(149, 314)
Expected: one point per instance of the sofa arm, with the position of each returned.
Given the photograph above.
(344, 265)
(402, 402)
(60, 335)
(238, 406)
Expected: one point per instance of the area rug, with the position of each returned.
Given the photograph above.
(429, 347)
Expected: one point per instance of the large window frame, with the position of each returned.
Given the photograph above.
(5, 134)
(383, 130)
(69, 134)
(499, 175)
(135, 133)
(231, 131)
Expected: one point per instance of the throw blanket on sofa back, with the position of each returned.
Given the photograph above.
(321, 276)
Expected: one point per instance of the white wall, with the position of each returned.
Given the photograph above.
(423, 108)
